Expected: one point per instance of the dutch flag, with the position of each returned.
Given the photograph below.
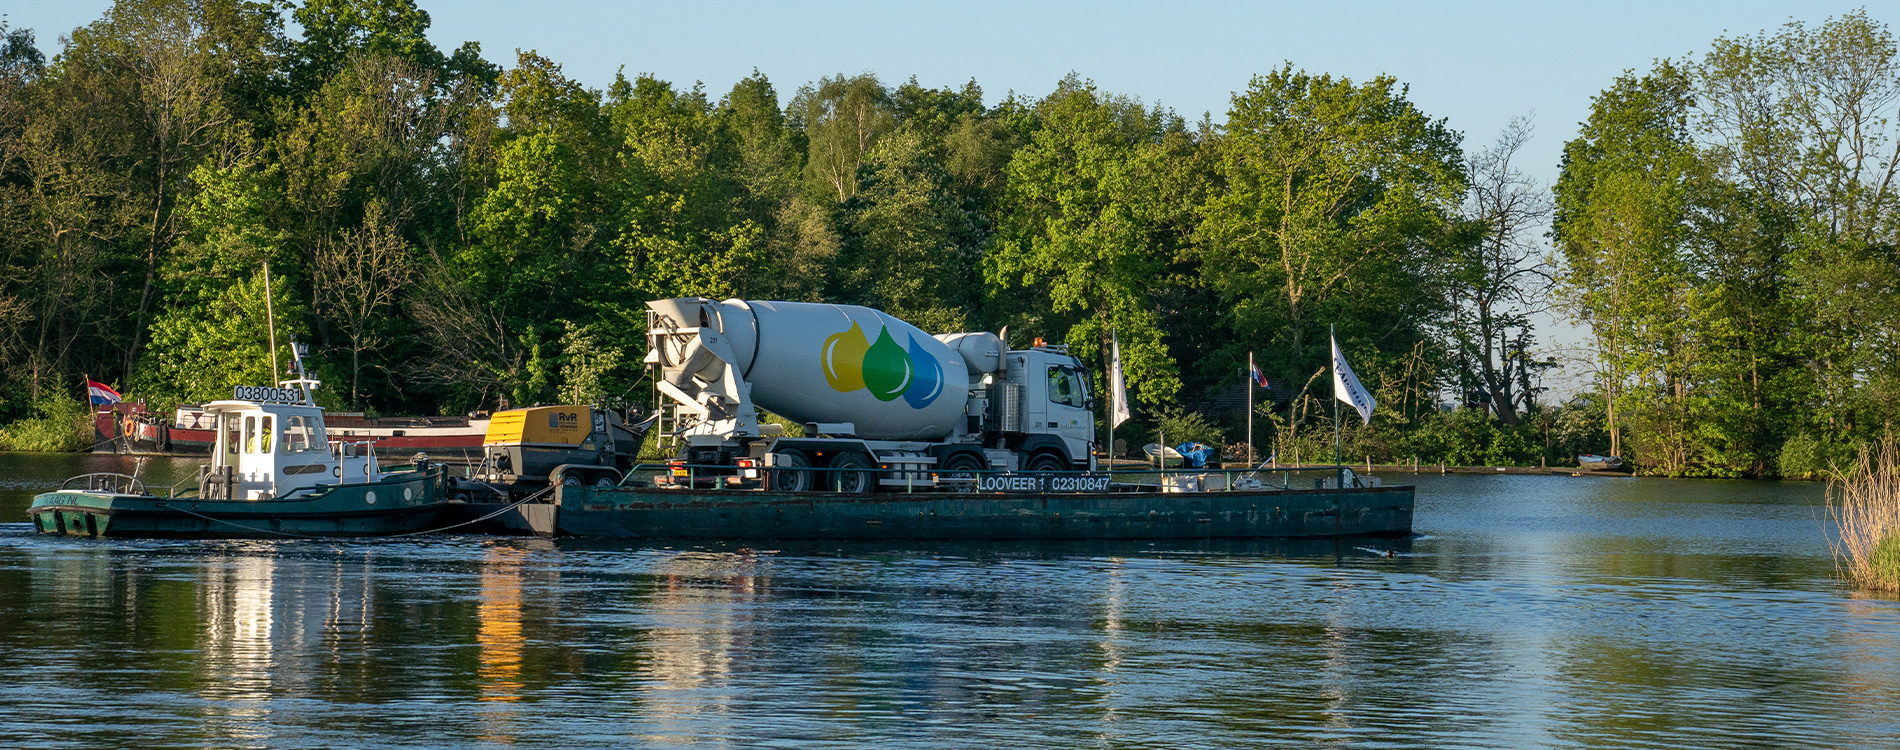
(102, 394)
(1259, 378)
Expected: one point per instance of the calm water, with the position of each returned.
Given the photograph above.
(1532, 612)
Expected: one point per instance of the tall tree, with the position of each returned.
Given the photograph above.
(1083, 237)
(841, 118)
(1621, 206)
(1503, 278)
(1333, 207)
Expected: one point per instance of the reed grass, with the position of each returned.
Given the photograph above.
(1864, 503)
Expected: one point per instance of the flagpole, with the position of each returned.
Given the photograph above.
(1339, 455)
(1249, 376)
(1110, 416)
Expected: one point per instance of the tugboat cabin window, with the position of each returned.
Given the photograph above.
(302, 434)
(263, 443)
(250, 434)
(231, 436)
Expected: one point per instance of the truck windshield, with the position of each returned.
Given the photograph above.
(1066, 386)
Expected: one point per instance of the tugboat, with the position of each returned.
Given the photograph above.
(274, 474)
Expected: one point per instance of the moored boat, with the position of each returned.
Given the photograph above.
(274, 473)
(1595, 462)
(129, 428)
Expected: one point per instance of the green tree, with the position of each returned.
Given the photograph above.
(840, 118)
(1333, 209)
(915, 244)
(1084, 236)
(1622, 202)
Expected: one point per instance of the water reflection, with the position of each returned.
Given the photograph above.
(237, 645)
(1528, 616)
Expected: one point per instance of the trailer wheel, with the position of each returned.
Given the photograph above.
(570, 480)
(606, 480)
(792, 475)
(1047, 462)
(848, 476)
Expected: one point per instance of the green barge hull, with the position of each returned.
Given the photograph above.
(649, 513)
(399, 504)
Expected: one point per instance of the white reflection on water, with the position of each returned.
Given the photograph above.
(236, 600)
(689, 648)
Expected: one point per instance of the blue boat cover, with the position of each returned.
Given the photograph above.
(1196, 454)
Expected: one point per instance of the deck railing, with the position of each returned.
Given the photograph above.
(862, 479)
(106, 482)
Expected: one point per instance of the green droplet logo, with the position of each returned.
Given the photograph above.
(887, 368)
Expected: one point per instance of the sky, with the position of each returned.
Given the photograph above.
(1475, 64)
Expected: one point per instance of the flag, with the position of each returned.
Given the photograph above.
(101, 393)
(1346, 385)
(1117, 391)
(1253, 371)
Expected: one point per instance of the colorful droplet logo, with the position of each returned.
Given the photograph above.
(884, 367)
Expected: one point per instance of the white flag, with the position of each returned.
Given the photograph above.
(1117, 392)
(1346, 385)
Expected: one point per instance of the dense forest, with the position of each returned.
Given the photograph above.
(447, 231)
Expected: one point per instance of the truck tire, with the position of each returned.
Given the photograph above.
(963, 468)
(1046, 462)
(606, 480)
(792, 476)
(845, 478)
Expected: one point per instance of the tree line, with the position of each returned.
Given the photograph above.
(448, 232)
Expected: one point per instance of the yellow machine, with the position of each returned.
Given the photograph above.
(526, 449)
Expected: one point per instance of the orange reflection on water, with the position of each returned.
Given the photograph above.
(499, 632)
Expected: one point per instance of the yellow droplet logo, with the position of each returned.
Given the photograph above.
(843, 359)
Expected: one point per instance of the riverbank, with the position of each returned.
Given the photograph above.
(1413, 468)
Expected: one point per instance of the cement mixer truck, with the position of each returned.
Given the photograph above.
(882, 404)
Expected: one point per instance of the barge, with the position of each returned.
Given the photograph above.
(1332, 502)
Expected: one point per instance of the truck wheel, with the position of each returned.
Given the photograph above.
(606, 480)
(570, 480)
(846, 479)
(792, 476)
(961, 469)
(1047, 462)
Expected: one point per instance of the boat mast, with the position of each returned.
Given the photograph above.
(270, 323)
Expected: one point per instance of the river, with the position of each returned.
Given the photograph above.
(1530, 612)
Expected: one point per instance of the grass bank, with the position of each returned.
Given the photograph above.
(58, 424)
(1864, 502)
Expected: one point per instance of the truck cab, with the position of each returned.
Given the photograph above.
(1056, 416)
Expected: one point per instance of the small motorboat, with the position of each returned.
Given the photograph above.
(1595, 462)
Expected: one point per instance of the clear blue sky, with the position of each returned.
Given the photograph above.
(1476, 64)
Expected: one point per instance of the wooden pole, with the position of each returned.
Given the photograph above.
(270, 322)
